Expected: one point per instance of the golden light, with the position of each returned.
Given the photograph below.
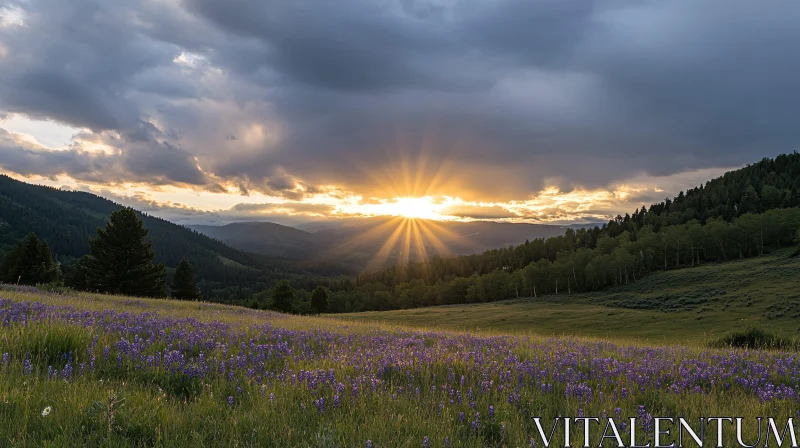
(416, 208)
(425, 207)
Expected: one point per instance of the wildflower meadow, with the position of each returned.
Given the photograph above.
(89, 370)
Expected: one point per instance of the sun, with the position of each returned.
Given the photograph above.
(412, 208)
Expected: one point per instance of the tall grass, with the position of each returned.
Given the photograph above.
(404, 379)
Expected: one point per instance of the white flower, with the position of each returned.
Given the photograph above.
(46, 411)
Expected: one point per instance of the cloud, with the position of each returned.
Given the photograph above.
(292, 208)
(488, 101)
(479, 212)
(148, 162)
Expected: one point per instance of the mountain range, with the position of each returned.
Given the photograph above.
(370, 241)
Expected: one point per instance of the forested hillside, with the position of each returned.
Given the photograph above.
(66, 220)
(740, 214)
(766, 185)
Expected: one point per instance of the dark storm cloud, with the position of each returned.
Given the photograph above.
(510, 95)
(50, 94)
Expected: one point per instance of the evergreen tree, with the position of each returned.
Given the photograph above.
(319, 299)
(75, 274)
(29, 263)
(121, 260)
(283, 297)
(184, 285)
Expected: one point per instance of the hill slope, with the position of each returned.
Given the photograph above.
(265, 238)
(700, 303)
(66, 220)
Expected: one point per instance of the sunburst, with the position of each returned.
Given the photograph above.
(411, 189)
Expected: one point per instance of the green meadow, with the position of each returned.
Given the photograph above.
(693, 305)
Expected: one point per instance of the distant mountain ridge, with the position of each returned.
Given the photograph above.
(266, 238)
(359, 242)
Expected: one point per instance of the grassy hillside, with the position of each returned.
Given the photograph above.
(691, 304)
(92, 370)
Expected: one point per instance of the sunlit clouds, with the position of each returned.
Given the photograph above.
(551, 205)
(510, 110)
(12, 16)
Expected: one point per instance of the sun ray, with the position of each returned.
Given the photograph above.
(440, 247)
(422, 162)
(405, 253)
(375, 232)
(422, 253)
(445, 232)
(383, 254)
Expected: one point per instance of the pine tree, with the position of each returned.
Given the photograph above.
(319, 299)
(29, 263)
(75, 274)
(121, 260)
(184, 285)
(283, 297)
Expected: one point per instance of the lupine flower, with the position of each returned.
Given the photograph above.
(477, 369)
(425, 442)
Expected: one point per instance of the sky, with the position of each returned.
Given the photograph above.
(203, 111)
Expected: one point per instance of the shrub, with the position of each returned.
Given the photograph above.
(756, 338)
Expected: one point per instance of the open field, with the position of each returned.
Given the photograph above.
(91, 370)
(692, 305)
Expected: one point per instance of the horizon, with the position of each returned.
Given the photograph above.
(194, 114)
